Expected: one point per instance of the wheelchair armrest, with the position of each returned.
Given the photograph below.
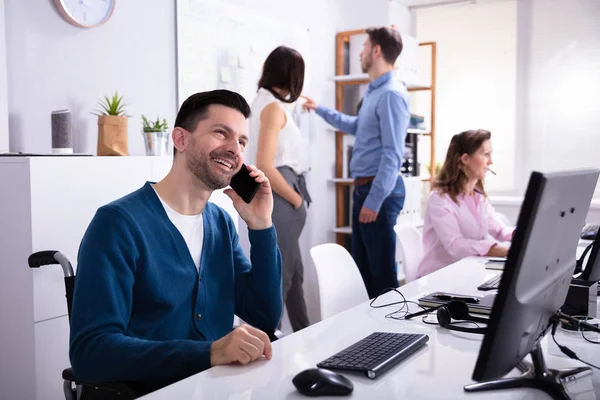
(102, 391)
(68, 375)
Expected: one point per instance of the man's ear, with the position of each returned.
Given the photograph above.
(179, 139)
(376, 51)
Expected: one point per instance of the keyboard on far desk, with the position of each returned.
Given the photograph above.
(376, 353)
(491, 284)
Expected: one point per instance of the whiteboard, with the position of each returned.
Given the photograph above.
(223, 46)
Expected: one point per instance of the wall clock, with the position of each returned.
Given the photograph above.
(85, 13)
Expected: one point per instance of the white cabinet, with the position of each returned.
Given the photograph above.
(51, 357)
(46, 203)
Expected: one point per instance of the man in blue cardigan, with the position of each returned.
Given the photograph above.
(161, 272)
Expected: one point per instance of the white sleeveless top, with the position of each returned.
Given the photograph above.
(291, 144)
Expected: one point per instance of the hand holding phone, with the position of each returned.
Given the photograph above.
(252, 197)
(244, 185)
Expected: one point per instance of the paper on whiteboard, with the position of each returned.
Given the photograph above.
(233, 59)
(244, 60)
(225, 75)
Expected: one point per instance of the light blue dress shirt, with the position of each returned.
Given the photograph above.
(380, 130)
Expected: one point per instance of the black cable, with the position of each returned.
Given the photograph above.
(565, 350)
(388, 304)
(403, 310)
(589, 340)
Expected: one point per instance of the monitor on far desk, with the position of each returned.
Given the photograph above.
(535, 281)
(591, 272)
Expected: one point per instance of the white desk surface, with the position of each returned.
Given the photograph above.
(438, 371)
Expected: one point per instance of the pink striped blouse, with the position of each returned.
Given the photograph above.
(453, 231)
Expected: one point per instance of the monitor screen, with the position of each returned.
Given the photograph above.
(538, 269)
(592, 268)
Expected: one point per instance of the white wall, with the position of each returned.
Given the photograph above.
(54, 65)
(476, 78)
(3, 90)
(560, 64)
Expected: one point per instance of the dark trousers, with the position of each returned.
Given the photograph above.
(289, 223)
(374, 244)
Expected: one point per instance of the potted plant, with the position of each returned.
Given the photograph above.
(112, 127)
(156, 136)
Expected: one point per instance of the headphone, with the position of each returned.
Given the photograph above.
(458, 310)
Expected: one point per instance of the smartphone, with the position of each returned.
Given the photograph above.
(244, 185)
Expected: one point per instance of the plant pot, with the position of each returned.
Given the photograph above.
(157, 143)
(112, 136)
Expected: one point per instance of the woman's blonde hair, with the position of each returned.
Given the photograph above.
(451, 179)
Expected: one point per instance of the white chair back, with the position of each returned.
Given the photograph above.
(411, 246)
(340, 283)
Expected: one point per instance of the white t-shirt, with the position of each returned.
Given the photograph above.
(191, 228)
(291, 144)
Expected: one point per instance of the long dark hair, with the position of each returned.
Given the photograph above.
(284, 69)
(451, 179)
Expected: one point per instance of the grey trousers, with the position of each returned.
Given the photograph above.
(289, 223)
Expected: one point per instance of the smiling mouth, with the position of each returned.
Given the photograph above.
(224, 162)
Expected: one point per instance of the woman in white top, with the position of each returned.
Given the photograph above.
(276, 148)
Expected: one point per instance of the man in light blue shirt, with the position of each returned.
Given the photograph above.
(380, 129)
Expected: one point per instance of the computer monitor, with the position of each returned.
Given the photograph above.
(535, 281)
(591, 272)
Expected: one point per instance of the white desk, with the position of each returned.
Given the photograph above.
(437, 371)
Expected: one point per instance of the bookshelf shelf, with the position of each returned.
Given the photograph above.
(363, 79)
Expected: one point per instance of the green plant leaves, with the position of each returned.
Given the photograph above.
(154, 126)
(111, 106)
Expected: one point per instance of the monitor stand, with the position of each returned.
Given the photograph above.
(536, 376)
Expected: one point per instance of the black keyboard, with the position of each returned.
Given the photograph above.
(376, 353)
(492, 284)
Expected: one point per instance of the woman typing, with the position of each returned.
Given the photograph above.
(459, 220)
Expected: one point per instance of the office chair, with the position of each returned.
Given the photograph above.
(411, 246)
(74, 389)
(339, 280)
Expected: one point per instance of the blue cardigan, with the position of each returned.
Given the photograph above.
(143, 313)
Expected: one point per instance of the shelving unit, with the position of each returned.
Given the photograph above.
(342, 80)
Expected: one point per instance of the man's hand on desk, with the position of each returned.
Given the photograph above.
(244, 345)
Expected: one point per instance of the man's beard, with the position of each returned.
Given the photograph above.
(200, 166)
(366, 63)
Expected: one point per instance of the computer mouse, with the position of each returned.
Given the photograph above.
(322, 382)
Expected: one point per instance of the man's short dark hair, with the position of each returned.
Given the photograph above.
(284, 69)
(195, 108)
(389, 40)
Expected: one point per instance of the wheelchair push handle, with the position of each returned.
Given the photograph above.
(51, 257)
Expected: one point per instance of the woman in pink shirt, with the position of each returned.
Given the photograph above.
(459, 220)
